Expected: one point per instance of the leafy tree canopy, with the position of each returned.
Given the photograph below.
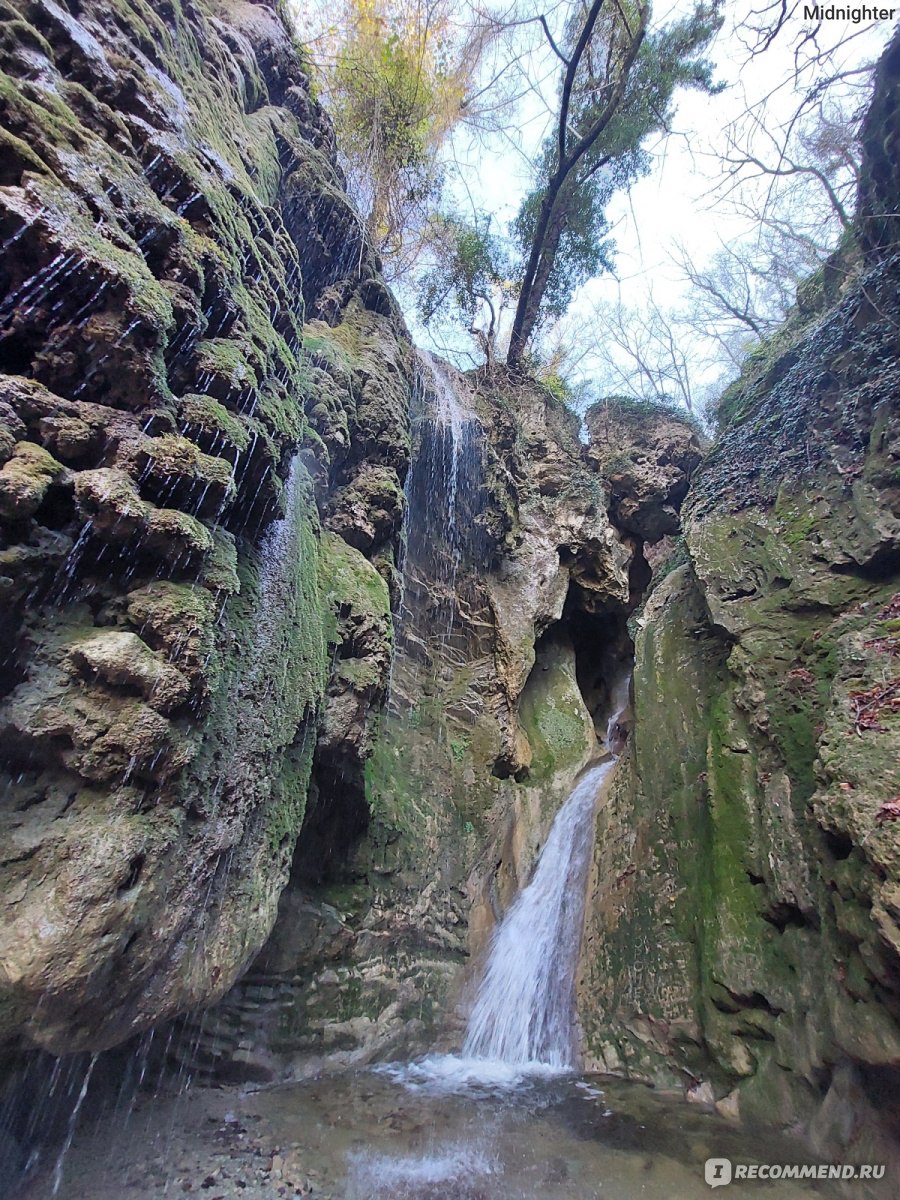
(617, 90)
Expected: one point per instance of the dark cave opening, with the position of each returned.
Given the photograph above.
(595, 642)
(337, 817)
(604, 656)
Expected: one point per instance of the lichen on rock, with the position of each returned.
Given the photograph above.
(752, 835)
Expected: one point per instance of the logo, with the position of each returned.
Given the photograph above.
(717, 1171)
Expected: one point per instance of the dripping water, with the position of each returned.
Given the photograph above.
(73, 1123)
(450, 420)
(440, 484)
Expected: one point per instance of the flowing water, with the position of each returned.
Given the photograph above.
(442, 487)
(451, 418)
(372, 1136)
(524, 1010)
(506, 1119)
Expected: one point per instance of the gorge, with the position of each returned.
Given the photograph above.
(307, 638)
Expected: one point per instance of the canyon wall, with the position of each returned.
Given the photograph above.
(510, 638)
(204, 404)
(743, 934)
(304, 639)
(207, 394)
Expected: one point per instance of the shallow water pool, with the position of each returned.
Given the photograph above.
(436, 1131)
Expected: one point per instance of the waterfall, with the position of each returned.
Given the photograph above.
(442, 485)
(525, 1009)
(450, 419)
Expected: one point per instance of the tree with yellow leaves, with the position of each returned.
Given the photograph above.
(395, 75)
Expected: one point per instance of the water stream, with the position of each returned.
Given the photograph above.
(369, 1136)
(524, 1010)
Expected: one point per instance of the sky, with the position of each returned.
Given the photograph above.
(676, 205)
(673, 204)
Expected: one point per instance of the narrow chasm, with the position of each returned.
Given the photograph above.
(456, 773)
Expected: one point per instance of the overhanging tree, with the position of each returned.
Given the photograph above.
(468, 274)
(396, 75)
(617, 86)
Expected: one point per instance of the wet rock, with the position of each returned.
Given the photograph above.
(24, 480)
(647, 456)
(166, 638)
(368, 511)
(122, 659)
(109, 498)
(743, 840)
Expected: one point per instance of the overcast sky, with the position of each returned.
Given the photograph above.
(673, 205)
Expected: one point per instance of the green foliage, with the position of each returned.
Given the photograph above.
(561, 230)
(384, 97)
(467, 277)
(458, 748)
(629, 408)
(394, 74)
(558, 387)
(583, 250)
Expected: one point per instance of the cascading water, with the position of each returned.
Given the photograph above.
(525, 1005)
(441, 485)
(451, 419)
(523, 1019)
(524, 1011)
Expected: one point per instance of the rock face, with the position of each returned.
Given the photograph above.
(205, 437)
(646, 456)
(514, 594)
(244, 723)
(188, 395)
(743, 927)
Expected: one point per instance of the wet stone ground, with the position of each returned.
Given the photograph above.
(375, 1136)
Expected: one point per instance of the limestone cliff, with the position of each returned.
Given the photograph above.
(744, 927)
(304, 640)
(189, 397)
(205, 404)
(510, 632)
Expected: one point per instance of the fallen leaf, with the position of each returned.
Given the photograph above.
(889, 811)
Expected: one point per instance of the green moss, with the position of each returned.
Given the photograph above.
(319, 344)
(729, 901)
(169, 458)
(287, 806)
(219, 572)
(204, 415)
(392, 790)
(348, 578)
(554, 717)
(798, 529)
(227, 359)
(794, 721)
(637, 412)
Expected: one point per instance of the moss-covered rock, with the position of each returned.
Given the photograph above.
(646, 455)
(170, 211)
(743, 922)
(121, 659)
(24, 479)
